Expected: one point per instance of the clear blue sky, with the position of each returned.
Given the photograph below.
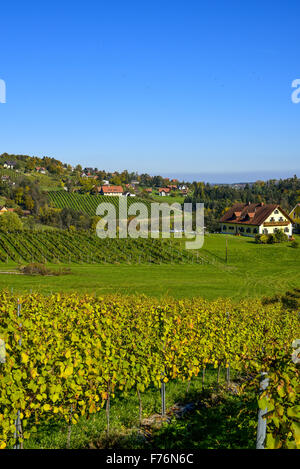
(168, 86)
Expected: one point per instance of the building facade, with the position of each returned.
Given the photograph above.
(252, 219)
(295, 216)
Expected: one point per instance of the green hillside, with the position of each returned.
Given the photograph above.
(85, 202)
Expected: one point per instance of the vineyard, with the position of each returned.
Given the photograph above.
(87, 203)
(11, 174)
(80, 246)
(69, 356)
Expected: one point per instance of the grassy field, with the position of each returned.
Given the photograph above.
(168, 199)
(252, 270)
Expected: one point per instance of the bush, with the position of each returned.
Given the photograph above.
(271, 238)
(280, 236)
(41, 269)
(277, 237)
(295, 244)
(261, 239)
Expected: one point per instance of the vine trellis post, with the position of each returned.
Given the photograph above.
(18, 424)
(262, 421)
(228, 367)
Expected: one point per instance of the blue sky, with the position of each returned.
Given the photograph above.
(164, 87)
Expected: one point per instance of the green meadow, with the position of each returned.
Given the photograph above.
(252, 270)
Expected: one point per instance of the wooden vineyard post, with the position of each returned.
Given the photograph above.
(227, 367)
(140, 407)
(18, 424)
(162, 382)
(163, 398)
(108, 410)
(262, 422)
(69, 428)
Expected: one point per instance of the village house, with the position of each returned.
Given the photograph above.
(111, 190)
(40, 169)
(3, 209)
(251, 219)
(163, 191)
(295, 216)
(9, 164)
(129, 194)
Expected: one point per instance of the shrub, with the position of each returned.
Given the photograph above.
(271, 238)
(41, 269)
(261, 239)
(280, 236)
(277, 237)
(295, 244)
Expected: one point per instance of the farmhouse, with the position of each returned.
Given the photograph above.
(111, 190)
(295, 216)
(9, 164)
(163, 191)
(251, 219)
(40, 169)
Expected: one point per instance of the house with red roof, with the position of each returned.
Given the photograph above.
(252, 218)
(163, 191)
(111, 190)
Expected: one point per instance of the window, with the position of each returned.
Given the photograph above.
(265, 231)
(276, 211)
(286, 230)
(248, 230)
(255, 231)
(224, 227)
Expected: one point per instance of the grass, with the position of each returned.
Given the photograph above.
(215, 421)
(168, 199)
(252, 271)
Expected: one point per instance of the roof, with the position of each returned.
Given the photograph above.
(297, 205)
(163, 189)
(251, 214)
(110, 189)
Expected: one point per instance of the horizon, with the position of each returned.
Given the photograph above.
(213, 178)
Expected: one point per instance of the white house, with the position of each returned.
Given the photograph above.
(251, 219)
(9, 164)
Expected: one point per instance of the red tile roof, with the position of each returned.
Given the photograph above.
(164, 189)
(251, 214)
(112, 189)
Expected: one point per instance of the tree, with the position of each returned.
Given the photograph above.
(9, 221)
